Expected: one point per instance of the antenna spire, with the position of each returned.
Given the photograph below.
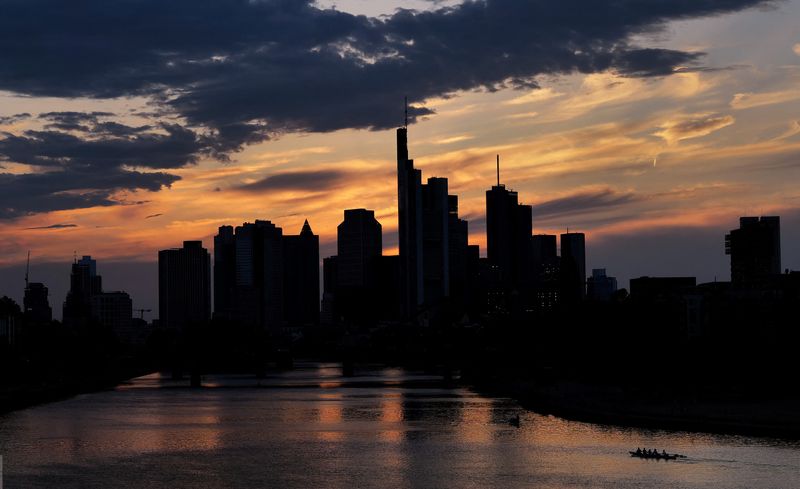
(405, 119)
(498, 170)
(27, 268)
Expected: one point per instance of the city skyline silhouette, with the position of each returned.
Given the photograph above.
(399, 243)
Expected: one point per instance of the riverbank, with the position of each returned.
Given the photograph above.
(778, 418)
(13, 398)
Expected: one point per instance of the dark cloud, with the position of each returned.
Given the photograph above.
(230, 73)
(151, 216)
(306, 180)
(32, 193)
(54, 226)
(12, 119)
(583, 202)
(296, 67)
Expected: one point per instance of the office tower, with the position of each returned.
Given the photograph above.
(184, 286)
(259, 275)
(114, 310)
(10, 315)
(508, 236)
(409, 226)
(573, 266)
(301, 278)
(359, 245)
(755, 250)
(435, 241)
(224, 273)
(84, 283)
(37, 308)
(546, 270)
(458, 240)
(600, 287)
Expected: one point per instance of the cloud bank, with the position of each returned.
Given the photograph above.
(231, 73)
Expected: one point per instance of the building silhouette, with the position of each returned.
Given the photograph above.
(114, 311)
(458, 243)
(546, 270)
(755, 250)
(509, 227)
(266, 280)
(409, 226)
(573, 267)
(435, 241)
(301, 305)
(36, 306)
(224, 273)
(359, 246)
(600, 287)
(184, 286)
(84, 283)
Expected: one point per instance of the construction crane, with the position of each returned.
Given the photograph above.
(141, 312)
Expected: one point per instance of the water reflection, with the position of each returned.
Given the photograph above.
(311, 427)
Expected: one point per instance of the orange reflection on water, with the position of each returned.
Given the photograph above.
(391, 417)
(329, 415)
(476, 424)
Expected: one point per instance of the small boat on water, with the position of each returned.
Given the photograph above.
(656, 455)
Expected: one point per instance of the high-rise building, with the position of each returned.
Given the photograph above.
(301, 305)
(755, 250)
(508, 237)
(359, 246)
(114, 310)
(546, 270)
(573, 266)
(184, 286)
(224, 273)
(259, 275)
(458, 241)
(359, 243)
(600, 287)
(84, 283)
(37, 308)
(435, 241)
(409, 215)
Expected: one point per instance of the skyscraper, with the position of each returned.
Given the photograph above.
(84, 283)
(546, 270)
(259, 275)
(184, 285)
(755, 250)
(301, 278)
(458, 242)
(359, 243)
(573, 266)
(224, 273)
(508, 236)
(435, 241)
(114, 310)
(359, 246)
(37, 308)
(409, 215)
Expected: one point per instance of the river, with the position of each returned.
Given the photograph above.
(383, 427)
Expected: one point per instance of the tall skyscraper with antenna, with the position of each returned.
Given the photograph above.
(409, 211)
(508, 235)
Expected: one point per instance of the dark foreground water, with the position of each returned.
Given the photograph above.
(382, 428)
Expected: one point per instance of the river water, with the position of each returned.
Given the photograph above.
(311, 427)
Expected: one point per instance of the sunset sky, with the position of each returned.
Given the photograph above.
(651, 125)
